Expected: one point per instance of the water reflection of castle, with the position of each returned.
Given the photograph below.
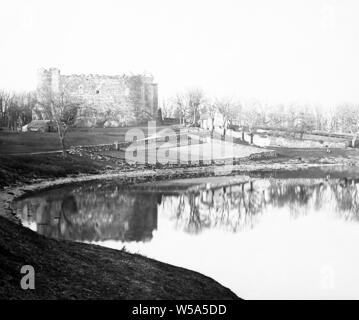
(92, 214)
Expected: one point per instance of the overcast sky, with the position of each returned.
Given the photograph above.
(280, 50)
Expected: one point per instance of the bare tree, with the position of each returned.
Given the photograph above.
(16, 109)
(229, 111)
(195, 98)
(254, 114)
(181, 107)
(168, 108)
(304, 123)
(3, 105)
(347, 120)
(9, 109)
(211, 109)
(61, 108)
(26, 102)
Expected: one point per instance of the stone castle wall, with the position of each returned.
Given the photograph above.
(115, 100)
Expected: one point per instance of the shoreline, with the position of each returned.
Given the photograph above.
(11, 193)
(69, 250)
(72, 270)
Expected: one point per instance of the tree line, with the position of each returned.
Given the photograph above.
(16, 108)
(188, 107)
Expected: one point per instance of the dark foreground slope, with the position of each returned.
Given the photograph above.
(67, 270)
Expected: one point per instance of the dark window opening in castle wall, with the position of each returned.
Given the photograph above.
(129, 99)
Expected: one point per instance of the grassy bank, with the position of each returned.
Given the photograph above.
(26, 168)
(315, 154)
(27, 142)
(73, 270)
(68, 270)
(81, 271)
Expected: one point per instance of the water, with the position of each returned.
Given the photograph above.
(262, 238)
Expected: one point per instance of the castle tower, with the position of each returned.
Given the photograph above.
(43, 81)
(55, 80)
(43, 78)
(46, 79)
(155, 98)
(128, 98)
(150, 95)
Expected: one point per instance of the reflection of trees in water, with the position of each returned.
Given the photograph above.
(232, 207)
(238, 207)
(347, 197)
(92, 213)
(103, 212)
(194, 220)
(294, 195)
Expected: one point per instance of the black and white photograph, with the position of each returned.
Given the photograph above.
(183, 150)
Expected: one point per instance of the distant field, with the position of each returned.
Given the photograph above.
(28, 142)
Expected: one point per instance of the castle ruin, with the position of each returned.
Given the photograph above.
(117, 100)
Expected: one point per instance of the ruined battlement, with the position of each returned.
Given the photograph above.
(119, 99)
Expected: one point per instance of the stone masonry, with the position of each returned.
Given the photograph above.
(105, 100)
